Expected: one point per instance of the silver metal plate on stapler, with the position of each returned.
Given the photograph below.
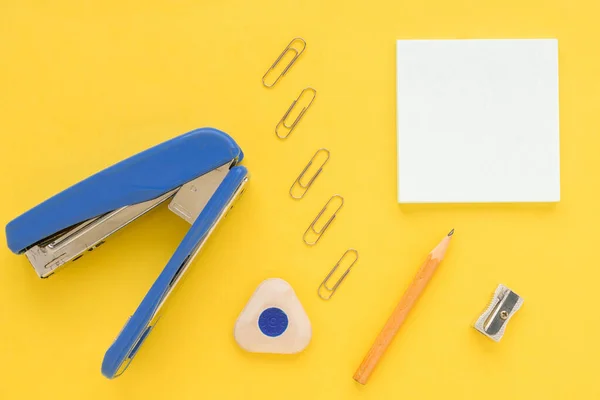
(52, 253)
(69, 245)
(190, 199)
(505, 303)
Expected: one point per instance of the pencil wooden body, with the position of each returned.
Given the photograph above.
(401, 311)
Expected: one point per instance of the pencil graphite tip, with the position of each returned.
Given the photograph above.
(451, 232)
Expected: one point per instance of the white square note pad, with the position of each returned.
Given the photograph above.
(477, 121)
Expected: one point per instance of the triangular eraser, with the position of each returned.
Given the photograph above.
(273, 321)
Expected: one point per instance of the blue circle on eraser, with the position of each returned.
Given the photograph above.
(273, 322)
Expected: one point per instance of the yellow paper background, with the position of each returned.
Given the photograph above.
(87, 84)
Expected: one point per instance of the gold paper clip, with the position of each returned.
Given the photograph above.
(298, 181)
(290, 48)
(311, 228)
(330, 291)
(283, 122)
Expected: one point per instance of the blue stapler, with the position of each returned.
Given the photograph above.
(198, 172)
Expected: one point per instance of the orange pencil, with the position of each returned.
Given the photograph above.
(402, 309)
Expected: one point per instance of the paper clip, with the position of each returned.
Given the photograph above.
(290, 48)
(320, 232)
(282, 121)
(324, 284)
(307, 186)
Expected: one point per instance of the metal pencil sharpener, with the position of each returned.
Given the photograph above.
(505, 303)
